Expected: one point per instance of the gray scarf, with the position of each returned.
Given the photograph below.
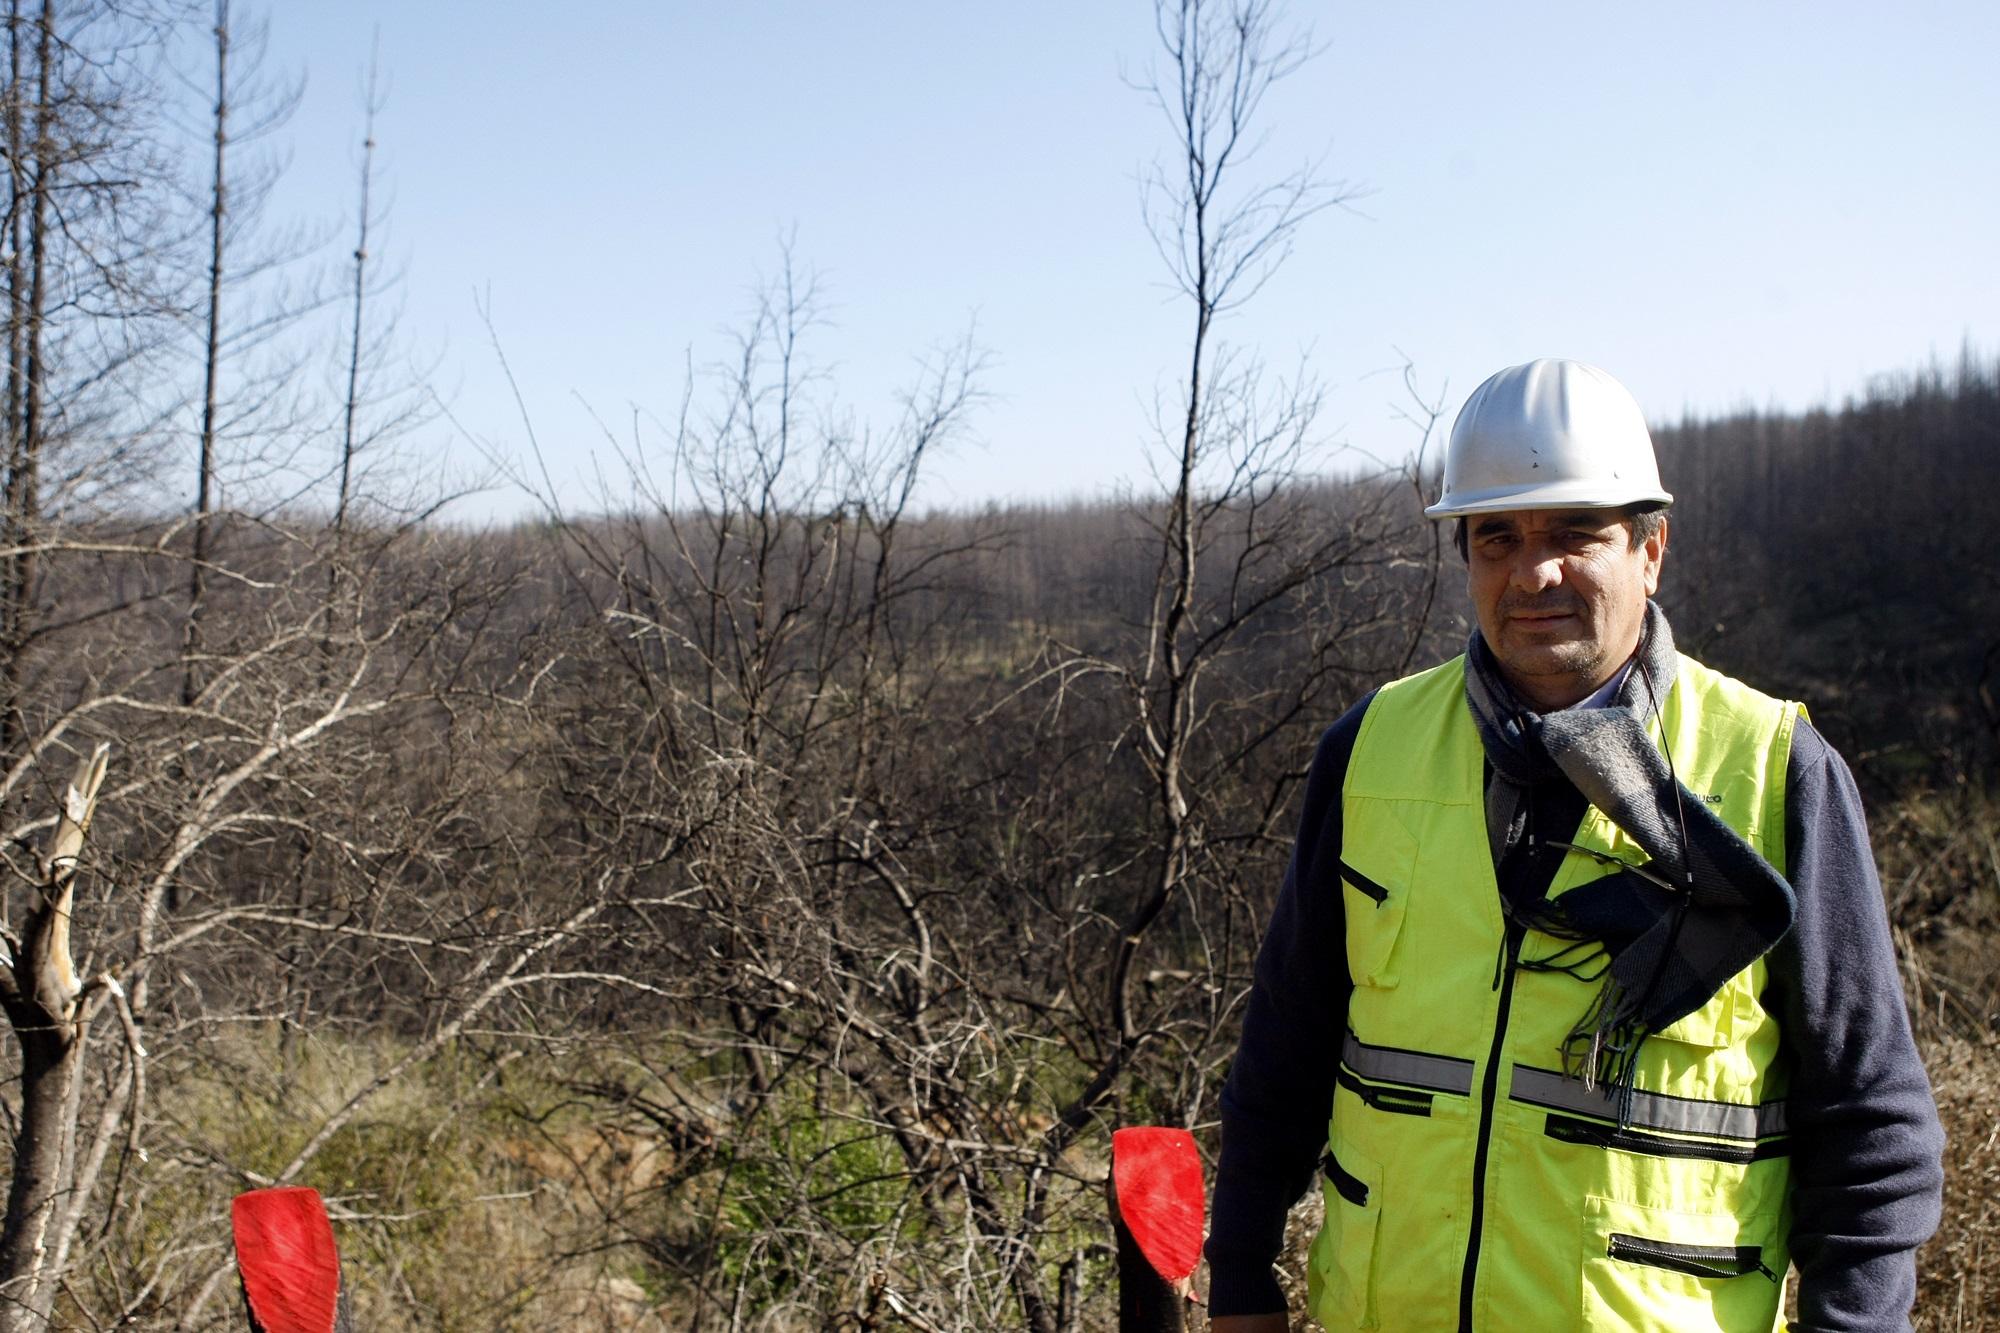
(1672, 931)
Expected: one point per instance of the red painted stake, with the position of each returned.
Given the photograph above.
(1157, 1210)
(288, 1261)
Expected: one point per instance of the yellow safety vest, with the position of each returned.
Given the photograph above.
(1469, 1183)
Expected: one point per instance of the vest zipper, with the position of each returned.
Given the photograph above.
(1489, 1090)
(1720, 1261)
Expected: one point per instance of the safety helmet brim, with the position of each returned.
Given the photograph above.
(1591, 493)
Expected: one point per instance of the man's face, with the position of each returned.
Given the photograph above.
(1560, 595)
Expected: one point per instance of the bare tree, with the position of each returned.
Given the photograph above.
(1241, 562)
(948, 920)
(211, 356)
(248, 268)
(230, 877)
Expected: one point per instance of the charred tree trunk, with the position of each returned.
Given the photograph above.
(211, 362)
(27, 377)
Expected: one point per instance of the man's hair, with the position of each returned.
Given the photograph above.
(1647, 519)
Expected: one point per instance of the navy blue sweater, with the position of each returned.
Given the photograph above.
(1866, 1144)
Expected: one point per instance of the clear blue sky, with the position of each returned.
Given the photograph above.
(1723, 204)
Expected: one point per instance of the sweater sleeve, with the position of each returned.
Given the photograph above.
(1867, 1147)
(1280, 1087)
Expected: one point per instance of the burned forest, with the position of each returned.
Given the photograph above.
(753, 899)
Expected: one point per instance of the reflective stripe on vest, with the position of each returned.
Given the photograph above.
(1470, 1184)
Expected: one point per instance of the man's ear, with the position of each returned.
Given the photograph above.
(1656, 555)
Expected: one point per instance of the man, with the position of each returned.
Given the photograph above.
(1579, 992)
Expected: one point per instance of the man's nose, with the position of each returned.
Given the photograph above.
(1537, 570)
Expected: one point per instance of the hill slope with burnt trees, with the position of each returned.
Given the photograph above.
(1843, 557)
(845, 872)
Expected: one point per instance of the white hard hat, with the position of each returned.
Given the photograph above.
(1550, 434)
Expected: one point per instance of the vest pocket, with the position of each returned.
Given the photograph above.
(1655, 1268)
(1340, 1271)
(1375, 889)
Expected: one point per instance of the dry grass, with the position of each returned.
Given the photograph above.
(1958, 1273)
(477, 1197)
(454, 1209)
(1941, 875)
